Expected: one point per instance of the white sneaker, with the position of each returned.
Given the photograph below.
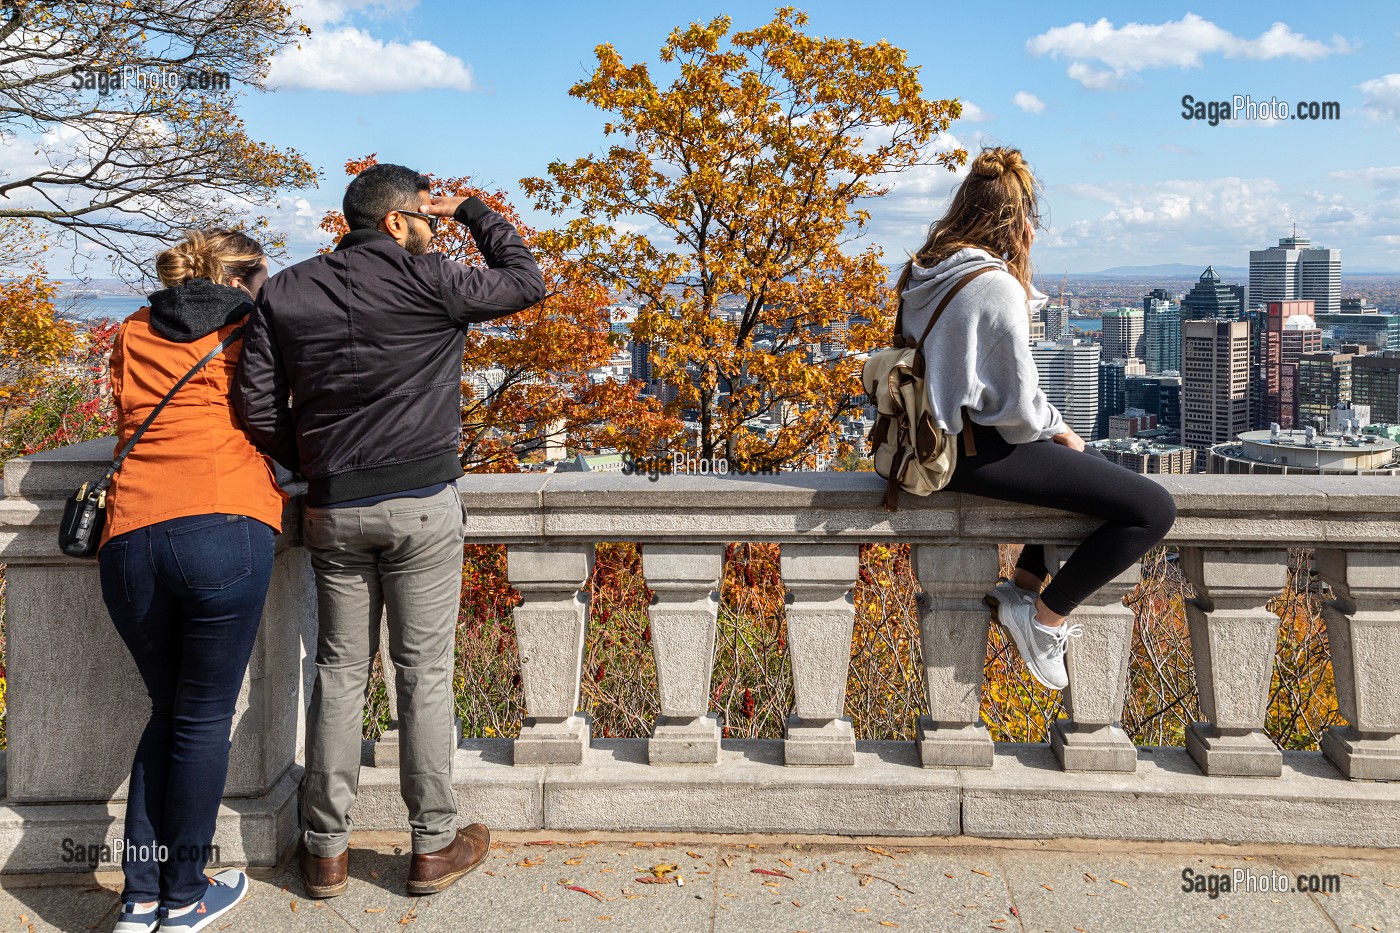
(1043, 651)
(1007, 591)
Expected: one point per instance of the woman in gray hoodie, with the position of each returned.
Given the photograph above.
(980, 370)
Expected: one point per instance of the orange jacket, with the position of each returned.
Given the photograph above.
(196, 458)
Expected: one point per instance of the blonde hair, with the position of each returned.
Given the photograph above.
(219, 255)
(989, 211)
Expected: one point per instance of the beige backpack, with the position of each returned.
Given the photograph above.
(909, 449)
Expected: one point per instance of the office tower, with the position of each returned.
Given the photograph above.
(1359, 322)
(1055, 317)
(1208, 298)
(1214, 382)
(1287, 332)
(1161, 332)
(1159, 395)
(1123, 334)
(641, 361)
(1324, 380)
(1375, 381)
(1037, 332)
(1113, 386)
(1069, 374)
(1296, 270)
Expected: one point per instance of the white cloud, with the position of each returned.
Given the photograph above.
(1387, 176)
(1028, 102)
(1122, 51)
(350, 60)
(1382, 97)
(328, 12)
(975, 114)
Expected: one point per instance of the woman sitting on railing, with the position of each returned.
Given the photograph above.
(980, 369)
(185, 565)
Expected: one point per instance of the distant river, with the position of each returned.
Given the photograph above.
(1093, 323)
(113, 307)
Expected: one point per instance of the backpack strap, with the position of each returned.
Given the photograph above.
(947, 297)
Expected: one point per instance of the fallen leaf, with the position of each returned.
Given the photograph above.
(649, 879)
(1046, 886)
(375, 910)
(294, 906)
(878, 851)
(695, 855)
(1350, 875)
(1014, 911)
(1089, 877)
(374, 874)
(796, 904)
(1123, 883)
(788, 862)
(544, 842)
(582, 890)
(661, 871)
(947, 874)
(769, 871)
(984, 874)
(573, 861)
(887, 923)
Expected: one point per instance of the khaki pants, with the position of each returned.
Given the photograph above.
(403, 555)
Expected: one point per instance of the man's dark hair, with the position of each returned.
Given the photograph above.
(379, 189)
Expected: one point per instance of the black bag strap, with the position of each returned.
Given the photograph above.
(901, 341)
(121, 457)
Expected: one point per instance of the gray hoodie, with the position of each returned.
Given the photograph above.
(979, 352)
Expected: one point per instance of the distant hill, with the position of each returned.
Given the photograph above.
(1170, 270)
(1181, 269)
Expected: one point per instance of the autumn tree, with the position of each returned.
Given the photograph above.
(537, 388)
(726, 208)
(131, 106)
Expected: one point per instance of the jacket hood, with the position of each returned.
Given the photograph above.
(196, 309)
(926, 284)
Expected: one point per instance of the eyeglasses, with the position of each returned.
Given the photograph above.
(432, 219)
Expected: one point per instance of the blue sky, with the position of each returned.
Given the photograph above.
(1091, 92)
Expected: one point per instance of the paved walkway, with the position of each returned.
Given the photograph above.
(538, 882)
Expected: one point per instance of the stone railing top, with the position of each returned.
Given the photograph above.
(1214, 510)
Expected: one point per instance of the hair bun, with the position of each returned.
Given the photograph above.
(217, 254)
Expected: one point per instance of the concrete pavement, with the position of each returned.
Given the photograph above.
(590, 882)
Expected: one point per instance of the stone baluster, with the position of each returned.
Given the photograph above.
(953, 633)
(385, 753)
(1363, 630)
(820, 618)
(1092, 738)
(685, 581)
(1233, 641)
(550, 625)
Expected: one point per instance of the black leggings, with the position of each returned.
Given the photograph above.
(1137, 512)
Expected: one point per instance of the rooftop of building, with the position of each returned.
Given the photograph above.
(1331, 440)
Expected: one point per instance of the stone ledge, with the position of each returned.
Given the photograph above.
(254, 831)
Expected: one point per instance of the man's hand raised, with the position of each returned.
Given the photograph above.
(442, 205)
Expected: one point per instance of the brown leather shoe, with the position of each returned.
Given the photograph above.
(431, 872)
(324, 877)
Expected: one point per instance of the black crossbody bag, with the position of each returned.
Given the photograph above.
(85, 512)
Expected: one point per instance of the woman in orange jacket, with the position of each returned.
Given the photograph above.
(185, 563)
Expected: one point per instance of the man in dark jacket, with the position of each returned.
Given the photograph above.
(351, 374)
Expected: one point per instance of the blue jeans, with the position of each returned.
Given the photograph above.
(186, 595)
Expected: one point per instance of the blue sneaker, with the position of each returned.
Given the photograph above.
(226, 889)
(133, 919)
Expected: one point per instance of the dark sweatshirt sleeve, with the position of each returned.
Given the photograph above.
(510, 282)
(261, 391)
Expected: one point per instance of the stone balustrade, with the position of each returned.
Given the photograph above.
(76, 704)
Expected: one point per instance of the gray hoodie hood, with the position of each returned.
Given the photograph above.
(926, 284)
